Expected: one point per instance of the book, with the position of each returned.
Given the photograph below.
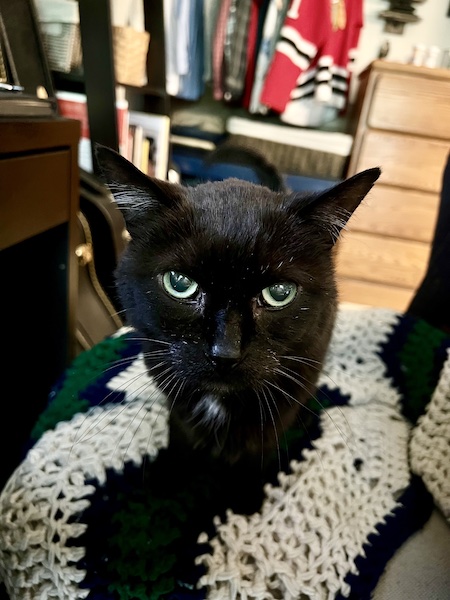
(155, 128)
(138, 136)
(145, 158)
(73, 105)
(192, 142)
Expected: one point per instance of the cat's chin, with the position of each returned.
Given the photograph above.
(210, 410)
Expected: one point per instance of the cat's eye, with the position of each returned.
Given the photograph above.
(179, 285)
(278, 295)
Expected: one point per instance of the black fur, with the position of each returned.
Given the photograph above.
(236, 371)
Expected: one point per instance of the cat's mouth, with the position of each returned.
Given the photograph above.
(219, 387)
(223, 387)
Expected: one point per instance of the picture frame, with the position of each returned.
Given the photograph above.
(24, 58)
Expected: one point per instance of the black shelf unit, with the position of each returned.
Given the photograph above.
(97, 78)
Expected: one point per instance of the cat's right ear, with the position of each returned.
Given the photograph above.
(135, 193)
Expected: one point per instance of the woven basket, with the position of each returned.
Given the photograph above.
(130, 55)
(63, 45)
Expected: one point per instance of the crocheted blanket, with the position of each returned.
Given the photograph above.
(100, 509)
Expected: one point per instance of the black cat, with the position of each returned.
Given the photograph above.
(231, 286)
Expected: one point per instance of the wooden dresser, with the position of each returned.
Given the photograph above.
(402, 124)
(39, 197)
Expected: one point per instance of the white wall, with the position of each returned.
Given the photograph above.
(432, 30)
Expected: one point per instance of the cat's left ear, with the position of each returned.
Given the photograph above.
(332, 208)
(115, 169)
(134, 192)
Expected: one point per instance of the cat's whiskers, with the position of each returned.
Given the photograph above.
(132, 437)
(305, 379)
(130, 382)
(304, 360)
(93, 428)
(156, 354)
(262, 427)
(80, 436)
(296, 373)
(305, 429)
(309, 362)
(298, 416)
(147, 339)
(273, 421)
(161, 388)
(288, 396)
(345, 438)
(118, 313)
(325, 394)
(161, 383)
(180, 382)
(283, 371)
(115, 365)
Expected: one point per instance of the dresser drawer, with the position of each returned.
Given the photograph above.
(33, 195)
(397, 212)
(374, 294)
(405, 161)
(382, 259)
(408, 104)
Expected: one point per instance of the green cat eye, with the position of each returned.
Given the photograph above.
(179, 285)
(279, 294)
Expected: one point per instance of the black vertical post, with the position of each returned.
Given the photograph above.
(99, 76)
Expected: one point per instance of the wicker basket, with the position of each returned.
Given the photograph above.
(62, 45)
(130, 55)
(59, 23)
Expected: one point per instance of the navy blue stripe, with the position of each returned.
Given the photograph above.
(415, 510)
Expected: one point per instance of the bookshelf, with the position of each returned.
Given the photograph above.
(98, 66)
(97, 78)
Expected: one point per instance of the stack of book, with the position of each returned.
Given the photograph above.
(143, 137)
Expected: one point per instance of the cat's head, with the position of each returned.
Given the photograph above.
(233, 286)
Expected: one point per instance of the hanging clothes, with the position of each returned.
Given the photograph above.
(183, 25)
(210, 15)
(192, 83)
(218, 48)
(273, 21)
(258, 13)
(308, 80)
(235, 49)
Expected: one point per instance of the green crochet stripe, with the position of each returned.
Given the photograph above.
(154, 526)
(84, 371)
(418, 360)
(142, 551)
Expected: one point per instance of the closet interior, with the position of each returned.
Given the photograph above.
(211, 79)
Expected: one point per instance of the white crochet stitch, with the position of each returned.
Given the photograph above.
(352, 364)
(310, 529)
(313, 526)
(34, 558)
(430, 443)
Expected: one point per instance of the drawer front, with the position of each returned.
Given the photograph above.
(383, 260)
(408, 104)
(405, 161)
(398, 213)
(34, 195)
(374, 294)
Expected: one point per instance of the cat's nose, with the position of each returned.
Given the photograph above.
(225, 349)
(224, 357)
